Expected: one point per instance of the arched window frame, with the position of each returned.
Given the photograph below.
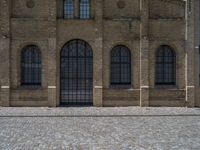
(116, 78)
(165, 68)
(31, 65)
(81, 52)
(84, 9)
(68, 9)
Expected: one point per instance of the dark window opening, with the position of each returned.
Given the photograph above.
(120, 66)
(31, 66)
(69, 9)
(76, 73)
(165, 66)
(84, 9)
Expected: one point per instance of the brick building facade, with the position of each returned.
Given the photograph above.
(99, 52)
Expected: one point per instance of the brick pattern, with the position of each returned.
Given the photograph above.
(141, 25)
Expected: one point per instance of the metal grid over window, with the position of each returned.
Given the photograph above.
(76, 73)
(69, 9)
(120, 66)
(84, 9)
(31, 66)
(165, 66)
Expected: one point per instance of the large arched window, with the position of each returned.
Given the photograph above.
(120, 66)
(165, 66)
(76, 73)
(84, 9)
(68, 9)
(31, 66)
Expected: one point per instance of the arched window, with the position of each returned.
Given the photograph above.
(31, 66)
(120, 66)
(68, 9)
(84, 9)
(76, 73)
(165, 66)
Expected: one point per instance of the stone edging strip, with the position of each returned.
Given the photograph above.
(98, 116)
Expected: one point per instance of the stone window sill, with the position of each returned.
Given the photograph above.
(30, 87)
(80, 19)
(166, 87)
(118, 87)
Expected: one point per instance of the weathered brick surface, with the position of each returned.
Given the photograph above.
(141, 25)
(197, 61)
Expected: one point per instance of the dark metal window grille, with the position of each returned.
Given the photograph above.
(165, 66)
(76, 73)
(120, 66)
(84, 9)
(31, 66)
(69, 9)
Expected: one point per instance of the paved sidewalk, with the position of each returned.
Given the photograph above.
(97, 111)
(130, 128)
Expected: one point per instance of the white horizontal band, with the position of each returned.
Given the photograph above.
(98, 87)
(51, 87)
(5, 87)
(190, 86)
(146, 87)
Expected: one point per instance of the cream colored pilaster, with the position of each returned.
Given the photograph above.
(52, 62)
(98, 55)
(5, 51)
(190, 51)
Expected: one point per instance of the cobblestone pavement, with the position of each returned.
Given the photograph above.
(100, 128)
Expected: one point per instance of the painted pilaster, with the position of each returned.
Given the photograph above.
(190, 51)
(52, 72)
(144, 53)
(5, 51)
(98, 55)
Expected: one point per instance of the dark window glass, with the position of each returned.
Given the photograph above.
(120, 66)
(76, 73)
(68, 9)
(84, 9)
(31, 66)
(165, 66)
